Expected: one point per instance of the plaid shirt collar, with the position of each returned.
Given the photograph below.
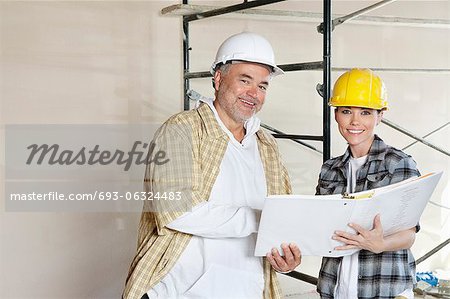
(377, 152)
(212, 127)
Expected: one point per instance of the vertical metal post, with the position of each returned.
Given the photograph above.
(327, 28)
(186, 50)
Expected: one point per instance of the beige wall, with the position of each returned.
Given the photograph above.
(120, 62)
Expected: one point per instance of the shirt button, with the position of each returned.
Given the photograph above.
(359, 276)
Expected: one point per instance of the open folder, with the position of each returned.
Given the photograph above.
(310, 221)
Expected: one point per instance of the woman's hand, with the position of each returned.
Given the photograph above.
(371, 240)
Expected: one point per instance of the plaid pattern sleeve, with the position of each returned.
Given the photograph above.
(195, 145)
(382, 275)
(195, 156)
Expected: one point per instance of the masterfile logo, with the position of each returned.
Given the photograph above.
(139, 154)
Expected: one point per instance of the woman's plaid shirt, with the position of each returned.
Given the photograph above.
(382, 275)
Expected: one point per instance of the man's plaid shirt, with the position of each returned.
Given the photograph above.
(195, 145)
(382, 275)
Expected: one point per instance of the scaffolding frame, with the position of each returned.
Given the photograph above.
(192, 13)
(324, 89)
(325, 64)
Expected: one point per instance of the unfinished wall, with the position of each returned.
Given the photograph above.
(120, 62)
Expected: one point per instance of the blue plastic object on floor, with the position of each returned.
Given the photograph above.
(428, 277)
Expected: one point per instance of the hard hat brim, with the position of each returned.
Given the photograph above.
(275, 70)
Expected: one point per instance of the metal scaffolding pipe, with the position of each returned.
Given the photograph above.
(229, 9)
(186, 49)
(425, 136)
(398, 70)
(341, 20)
(298, 137)
(433, 251)
(326, 27)
(304, 16)
(418, 138)
(195, 75)
(318, 66)
(302, 276)
(195, 96)
(303, 66)
(294, 140)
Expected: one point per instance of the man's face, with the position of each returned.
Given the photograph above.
(240, 91)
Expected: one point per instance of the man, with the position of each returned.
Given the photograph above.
(222, 165)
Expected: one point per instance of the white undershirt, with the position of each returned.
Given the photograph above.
(347, 287)
(219, 260)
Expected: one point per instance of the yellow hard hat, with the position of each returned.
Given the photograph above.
(359, 88)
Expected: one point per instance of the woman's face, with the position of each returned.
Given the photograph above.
(357, 126)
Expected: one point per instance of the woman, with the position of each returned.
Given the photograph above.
(384, 266)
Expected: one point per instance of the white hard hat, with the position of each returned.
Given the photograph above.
(246, 46)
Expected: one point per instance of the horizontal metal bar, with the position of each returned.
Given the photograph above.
(341, 20)
(298, 137)
(195, 96)
(433, 251)
(398, 70)
(305, 16)
(303, 66)
(425, 136)
(303, 277)
(418, 138)
(294, 140)
(317, 66)
(229, 9)
(193, 75)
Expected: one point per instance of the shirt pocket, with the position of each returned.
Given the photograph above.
(327, 187)
(379, 179)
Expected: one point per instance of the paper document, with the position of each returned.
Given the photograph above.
(310, 221)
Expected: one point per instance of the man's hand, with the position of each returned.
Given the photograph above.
(291, 259)
(371, 240)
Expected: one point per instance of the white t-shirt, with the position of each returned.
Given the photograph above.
(347, 287)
